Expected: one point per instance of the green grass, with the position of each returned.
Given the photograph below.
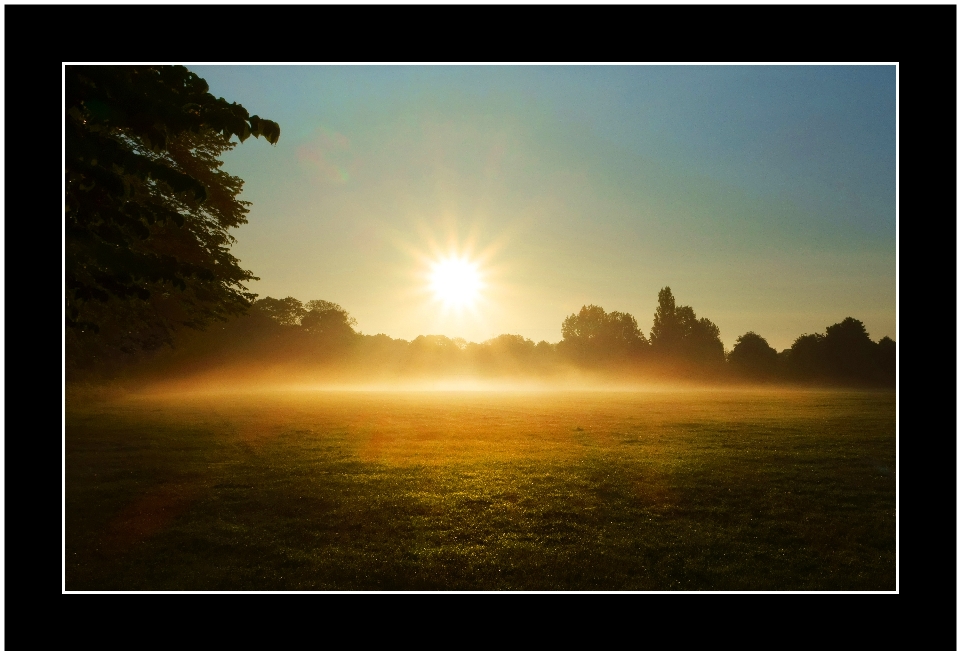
(726, 490)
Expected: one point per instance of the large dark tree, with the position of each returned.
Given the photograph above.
(148, 208)
(753, 357)
(806, 357)
(677, 333)
(849, 352)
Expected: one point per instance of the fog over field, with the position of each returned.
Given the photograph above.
(317, 344)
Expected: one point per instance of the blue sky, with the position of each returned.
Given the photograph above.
(764, 196)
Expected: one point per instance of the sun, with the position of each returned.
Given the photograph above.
(456, 282)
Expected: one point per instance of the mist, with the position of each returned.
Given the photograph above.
(279, 346)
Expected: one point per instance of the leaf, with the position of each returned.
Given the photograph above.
(270, 131)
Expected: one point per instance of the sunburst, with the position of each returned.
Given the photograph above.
(456, 281)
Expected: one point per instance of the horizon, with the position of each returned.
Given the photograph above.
(465, 342)
(765, 196)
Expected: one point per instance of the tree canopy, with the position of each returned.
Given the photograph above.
(753, 356)
(677, 332)
(844, 354)
(594, 333)
(148, 209)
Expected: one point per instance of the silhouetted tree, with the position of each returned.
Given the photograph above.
(677, 333)
(147, 207)
(753, 357)
(584, 326)
(849, 353)
(667, 331)
(845, 355)
(595, 335)
(806, 358)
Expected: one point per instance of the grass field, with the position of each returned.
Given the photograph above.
(712, 490)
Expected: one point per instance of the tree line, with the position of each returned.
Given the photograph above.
(844, 353)
(321, 336)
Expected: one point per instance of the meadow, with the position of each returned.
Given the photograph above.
(697, 489)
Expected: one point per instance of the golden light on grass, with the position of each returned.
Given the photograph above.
(489, 491)
(456, 282)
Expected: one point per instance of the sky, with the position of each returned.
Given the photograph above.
(765, 197)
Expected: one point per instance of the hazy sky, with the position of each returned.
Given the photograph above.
(764, 196)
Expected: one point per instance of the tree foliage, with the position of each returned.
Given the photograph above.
(285, 311)
(595, 334)
(752, 356)
(844, 354)
(678, 333)
(327, 318)
(849, 351)
(148, 208)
